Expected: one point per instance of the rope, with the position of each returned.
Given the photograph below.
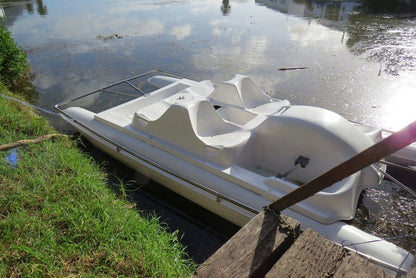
(405, 168)
(353, 244)
(31, 141)
(30, 105)
(401, 185)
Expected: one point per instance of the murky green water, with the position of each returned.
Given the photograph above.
(361, 66)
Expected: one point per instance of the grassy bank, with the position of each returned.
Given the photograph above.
(58, 216)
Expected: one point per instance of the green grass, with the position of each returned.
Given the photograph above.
(58, 217)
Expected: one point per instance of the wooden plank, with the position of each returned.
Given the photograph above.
(310, 256)
(360, 161)
(314, 256)
(254, 249)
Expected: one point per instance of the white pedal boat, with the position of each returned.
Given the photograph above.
(233, 150)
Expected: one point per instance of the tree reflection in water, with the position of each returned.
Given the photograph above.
(225, 7)
(42, 9)
(389, 6)
(386, 38)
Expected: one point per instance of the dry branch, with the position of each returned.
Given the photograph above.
(31, 141)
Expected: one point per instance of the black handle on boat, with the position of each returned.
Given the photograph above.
(373, 154)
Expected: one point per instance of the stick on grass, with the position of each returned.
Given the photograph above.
(31, 141)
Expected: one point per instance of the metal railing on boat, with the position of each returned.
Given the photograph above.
(124, 81)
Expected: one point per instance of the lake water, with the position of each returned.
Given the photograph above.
(361, 66)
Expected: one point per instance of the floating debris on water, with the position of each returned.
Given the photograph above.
(110, 37)
(295, 68)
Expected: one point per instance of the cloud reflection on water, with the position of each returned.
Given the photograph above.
(80, 28)
(181, 32)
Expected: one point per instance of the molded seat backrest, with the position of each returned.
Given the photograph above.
(250, 94)
(227, 93)
(196, 128)
(240, 91)
(207, 122)
(173, 125)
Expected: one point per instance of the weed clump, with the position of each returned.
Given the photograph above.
(13, 61)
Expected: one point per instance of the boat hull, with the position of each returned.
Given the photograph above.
(231, 209)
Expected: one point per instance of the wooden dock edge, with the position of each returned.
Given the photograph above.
(270, 246)
(254, 249)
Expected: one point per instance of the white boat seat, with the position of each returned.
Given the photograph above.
(191, 123)
(242, 92)
(213, 130)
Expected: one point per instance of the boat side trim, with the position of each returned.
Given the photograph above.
(121, 148)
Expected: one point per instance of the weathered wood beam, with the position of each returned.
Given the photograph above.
(254, 249)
